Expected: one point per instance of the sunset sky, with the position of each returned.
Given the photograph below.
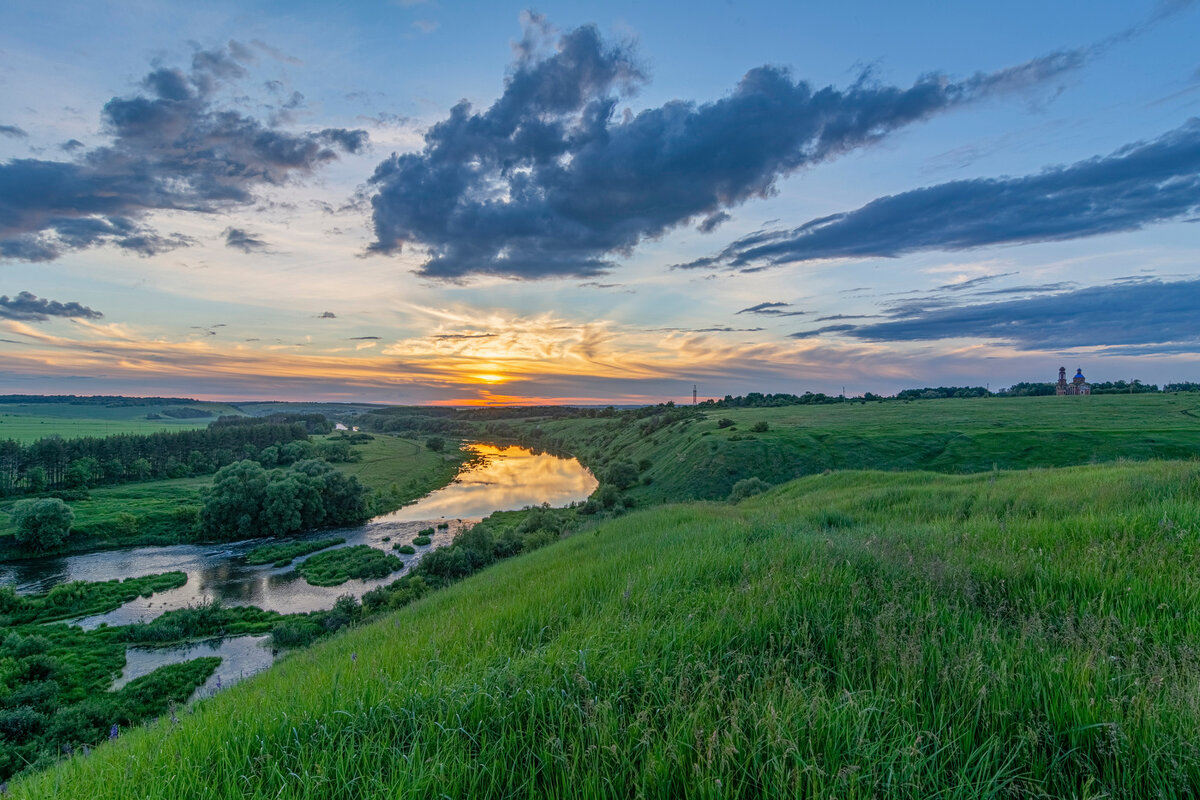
(417, 202)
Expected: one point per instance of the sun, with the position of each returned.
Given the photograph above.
(488, 377)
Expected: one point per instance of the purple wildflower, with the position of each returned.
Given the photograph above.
(114, 732)
(354, 658)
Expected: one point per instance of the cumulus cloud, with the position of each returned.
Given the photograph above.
(1141, 184)
(173, 147)
(241, 239)
(1151, 315)
(552, 180)
(28, 307)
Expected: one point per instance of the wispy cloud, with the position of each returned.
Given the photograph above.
(1149, 314)
(1141, 184)
(772, 310)
(242, 239)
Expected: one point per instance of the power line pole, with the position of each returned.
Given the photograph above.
(693, 394)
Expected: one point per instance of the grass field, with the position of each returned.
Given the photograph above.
(699, 460)
(858, 634)
(27, 422)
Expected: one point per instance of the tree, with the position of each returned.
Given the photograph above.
(621, 474)
(435, 443)
(42, 524)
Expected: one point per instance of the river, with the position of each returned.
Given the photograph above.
(501, 479)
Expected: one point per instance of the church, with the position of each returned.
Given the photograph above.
(1077, 386)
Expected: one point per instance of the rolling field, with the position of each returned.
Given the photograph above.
(698, 459)
(27, 422)
(851, 635)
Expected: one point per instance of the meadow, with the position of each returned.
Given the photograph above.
(856, 634)
(27, 422)
(685, 455)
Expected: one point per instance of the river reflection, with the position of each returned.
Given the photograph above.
(502, 479)
(506, 479)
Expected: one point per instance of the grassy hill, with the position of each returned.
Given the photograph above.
(694, 458)
(857, 634)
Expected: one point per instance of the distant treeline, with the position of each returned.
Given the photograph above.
(54, 463)
(110, 401)
(759, 400)
(416, 420)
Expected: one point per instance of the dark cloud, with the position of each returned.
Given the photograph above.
(327, 315)
(28, 307)
(362, 338)
(1151, 315)
(772, 309)
(447, 336)
(13, 131)
(713, 221)
(173, 147)
(1138, 185)
(71, 145)
(552, 181)
(241, 239)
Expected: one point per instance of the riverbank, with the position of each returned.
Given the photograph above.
(398, 471)
(860, 634)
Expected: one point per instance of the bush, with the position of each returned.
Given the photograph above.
(421, 541)
(406, 549)
(748, 487)
(760, 427)
(42, 524)
(436, 443)
(621, 474)
(724, 422)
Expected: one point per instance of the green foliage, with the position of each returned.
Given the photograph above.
(42, 524)
(747, 487)
(421, 541)
(203, 620)
(247, 500)
(957, 637)
(724, 422)
(406, 549)
(280, 555)
(334, 567)
(436, 443)
(621, 474)
(81, 598)
(762, 426)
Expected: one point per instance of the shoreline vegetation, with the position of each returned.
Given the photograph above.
(856, 634)
(977, 517)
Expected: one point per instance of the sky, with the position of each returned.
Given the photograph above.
(490, 203)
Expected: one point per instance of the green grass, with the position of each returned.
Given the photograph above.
(853, 635)
(334, 567)
(400, 470)
(81, 598)
(28, 422)
(280, 555)
(699, 460)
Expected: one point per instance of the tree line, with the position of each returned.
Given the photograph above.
(54, 463)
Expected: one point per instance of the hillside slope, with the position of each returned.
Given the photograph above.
(692, 457)
(853, 635)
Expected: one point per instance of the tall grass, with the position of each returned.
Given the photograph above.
(852, 635)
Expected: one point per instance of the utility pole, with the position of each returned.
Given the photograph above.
(693, 394)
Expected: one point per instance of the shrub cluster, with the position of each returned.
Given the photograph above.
(247, 500)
